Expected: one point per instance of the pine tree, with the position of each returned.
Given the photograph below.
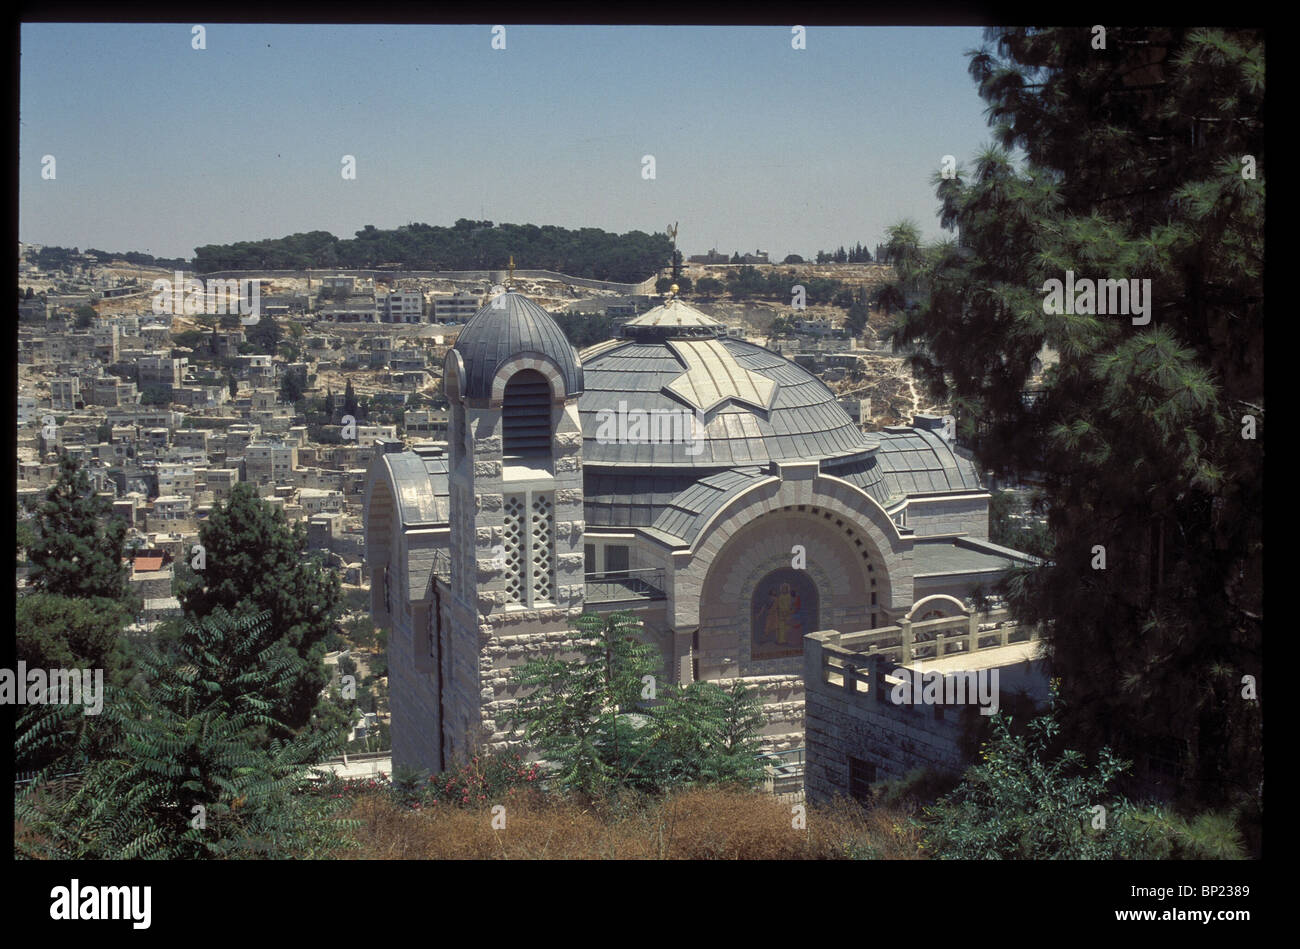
(79, 550)
(255, 564)
(1135, 171)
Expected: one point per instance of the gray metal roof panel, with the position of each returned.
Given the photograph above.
(421, 486)
(496, 333)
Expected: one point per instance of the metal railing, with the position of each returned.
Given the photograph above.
(613, 586)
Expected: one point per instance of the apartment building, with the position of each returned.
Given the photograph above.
(454, 307)
(270, 462)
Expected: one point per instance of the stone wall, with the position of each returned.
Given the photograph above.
(963, 514)
(895, 738)
(413, 695)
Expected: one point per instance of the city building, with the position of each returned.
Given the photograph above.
(400, 306)
(65, 393)
(270, 462)
(455, 307)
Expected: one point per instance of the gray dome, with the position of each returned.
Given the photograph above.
(515, 326)
(756, 407)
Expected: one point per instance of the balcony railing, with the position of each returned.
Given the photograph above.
(615, 586)
(845, 656)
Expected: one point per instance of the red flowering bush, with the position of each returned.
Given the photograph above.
(481, 779)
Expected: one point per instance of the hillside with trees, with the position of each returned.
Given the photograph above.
(467, 245)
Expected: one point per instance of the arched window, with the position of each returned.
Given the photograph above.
(526, 416)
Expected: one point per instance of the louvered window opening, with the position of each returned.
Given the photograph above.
(526, 416)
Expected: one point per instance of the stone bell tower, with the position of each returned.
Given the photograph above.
(516, 509)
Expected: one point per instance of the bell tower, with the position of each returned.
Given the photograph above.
(515, 507)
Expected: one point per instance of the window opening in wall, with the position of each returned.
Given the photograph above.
(543, 548)
(616, 560)
(862, 774)
(512, 526)
(526, 416)
(528, 529)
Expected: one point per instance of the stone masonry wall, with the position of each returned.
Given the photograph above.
(896, 739)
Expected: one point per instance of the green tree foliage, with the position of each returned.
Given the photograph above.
(85, 316)
(746, 282)
(263, 337)
(699, 734)
(191, 339)
(79, 548)
(855, 321)
(180, 771)
(255, 563)
(858, 254)
(1019, 525)
(664, 284)
(155, 395)
(590, 714)
(140, 259)
(710, 287)
(1020, 802)
(1134, 170)
(25, 537)
(468, 245)
(575, 702)
(586, 329)
(292, 384)
(350, 406)
(64, 632)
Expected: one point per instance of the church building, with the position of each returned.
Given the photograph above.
(710, 485)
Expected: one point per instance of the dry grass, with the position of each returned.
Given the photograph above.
(704, 824)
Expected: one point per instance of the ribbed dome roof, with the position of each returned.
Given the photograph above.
(756, 406)
(513, 326)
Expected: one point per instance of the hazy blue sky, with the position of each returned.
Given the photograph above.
(161, 147)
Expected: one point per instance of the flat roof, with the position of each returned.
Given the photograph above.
(963, 555)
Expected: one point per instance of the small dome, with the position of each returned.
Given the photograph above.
(673, 320)
(511, 325)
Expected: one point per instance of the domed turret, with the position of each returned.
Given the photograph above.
(511, 325)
